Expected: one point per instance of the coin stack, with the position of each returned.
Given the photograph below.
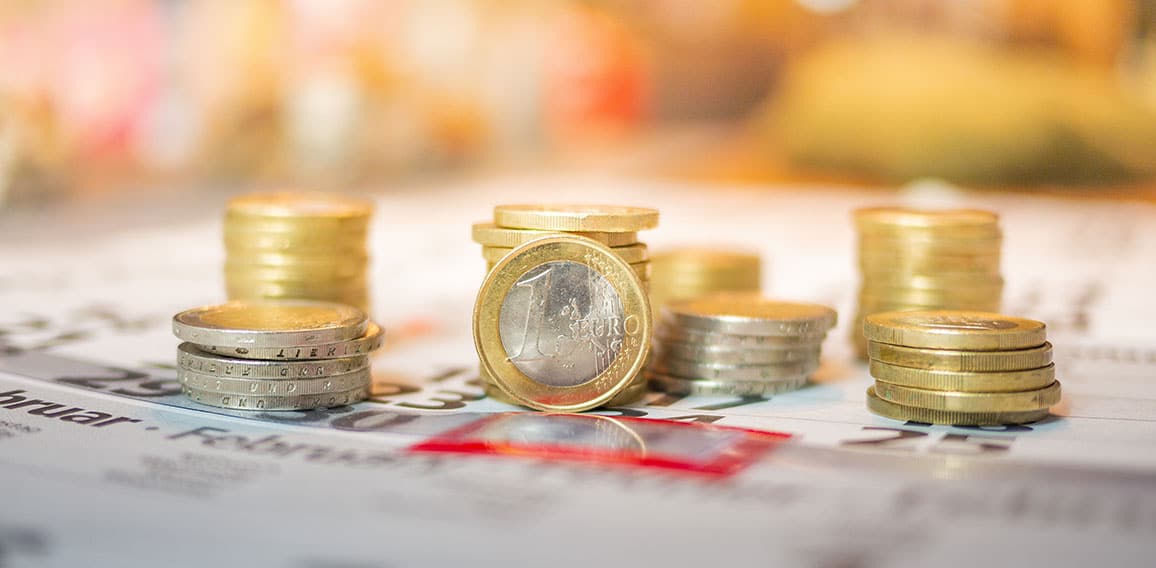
(284, 355)
(738, 344)
(297, 245)
(689, 273)
(926, 260)
(959, 367)
(614, 226)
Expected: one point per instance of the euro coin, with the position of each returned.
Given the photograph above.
(270, 324)
(297, 204)
(693, 387)
(191, 358)
(955, 222)
(489, 234)
(957, 401)
(372, 339)
(750, 315)
(930, 416)
(964, 381)
(277, 402)
(743, 373)
(244, 239)
(632, 254)
(338, 383)
(721, 339)
(958, 330)
(599, 218)
(961, 361)
(727, 355)
(629, 395)
(562, 324)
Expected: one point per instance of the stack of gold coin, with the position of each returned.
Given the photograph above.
(562, 323)
(689, 273)
(960, 367)
(738, 344)
(285, 355)
(926, 260)
(297, 245)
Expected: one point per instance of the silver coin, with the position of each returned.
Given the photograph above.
(713, 338)
(692, 370)
(275, 387)
(561, 324)
(729, 355)
(287, 323)
(690, 387)
(749, 314)
(363, 345)
(277, 402)
(193, 359)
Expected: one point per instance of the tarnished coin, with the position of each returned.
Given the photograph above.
(338, 383)
(749, 314)
(728, 355)
(277, 402)
(562, 324)
(632, 254)
(697, 370)
(691, 387)
(964, 381)
(959, 330)
(491, 235)
(371, 340)
(964, 361)
(956, 401)
(931, 416)
(601, 218)
(191, 358)
(712, 338)
(270, 324)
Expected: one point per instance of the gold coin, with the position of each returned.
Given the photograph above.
(632, 254)
(562, 324)
(965, 361)
(700, 259)
(930, 416)
(750, 314)
(601, 218)
(978, 283)
(295, 204)
(951, 329)
(964, 381)
(957, 401)
(907, 220)
(489, 234)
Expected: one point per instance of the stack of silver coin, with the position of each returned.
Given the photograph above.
(283, 355)
(737, 344)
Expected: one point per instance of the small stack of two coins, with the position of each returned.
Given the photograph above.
(960, 368)
(927, 260)
(297, 245)
(690, 273)
(738, 344)
(289, 355)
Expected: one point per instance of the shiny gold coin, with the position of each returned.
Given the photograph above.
(963, 361)
(973, 284)
(930, 416)
(950, 329)
(632, 254)
(601, 218)
(489, 234)
(710, 260)
(905, 220)
(956, 401)
(964, 381)
(297, 204)
(750, 314)
(562, 324)
(929, 263)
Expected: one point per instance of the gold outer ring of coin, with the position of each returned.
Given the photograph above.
(961, 361)
(629, 395)
(294, 204)
(372, 339)
(690, 387)
(258, 402)
(749, 314)
(635, 305)
(289, 323)
(955, 401)
(600, 218)
(642, 269)
(491, 235)
(632, 254)
(952, 329)
(894, 411)
(341, 382)
(965, 381)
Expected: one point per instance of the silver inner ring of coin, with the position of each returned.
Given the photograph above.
(561, 323)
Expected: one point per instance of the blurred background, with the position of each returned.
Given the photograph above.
(107, 97)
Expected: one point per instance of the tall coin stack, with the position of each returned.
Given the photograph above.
(926, 260)
(689, 273)
(959, 367)
(297, 245)
(614, 226)
(285, 355)
(738, 344)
